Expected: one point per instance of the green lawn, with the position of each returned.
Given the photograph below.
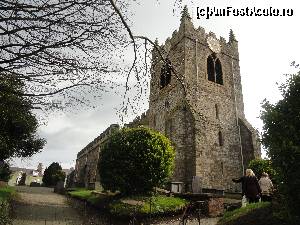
(143, 205)
(88, 195)
(263, 213)
(126, 206)
(232, 215)
(80, 193)
(240, 212)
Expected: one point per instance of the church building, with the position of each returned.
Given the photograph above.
(196, 100)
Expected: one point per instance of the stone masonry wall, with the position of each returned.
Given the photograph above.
(169, 113)
(86, 169)
(216, 109)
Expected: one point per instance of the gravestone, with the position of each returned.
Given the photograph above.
(196, 184)
(177, 187)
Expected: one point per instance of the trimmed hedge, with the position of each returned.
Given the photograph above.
(135, 160)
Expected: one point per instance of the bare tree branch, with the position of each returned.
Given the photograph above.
(61, 45)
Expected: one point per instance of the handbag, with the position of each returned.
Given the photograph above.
(244, 201)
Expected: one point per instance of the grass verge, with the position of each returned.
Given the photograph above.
(7, 193)
(146, 205)
(240, 212)
(132, 205)
(90, 196)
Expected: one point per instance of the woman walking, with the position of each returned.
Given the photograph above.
(266, 186)
(250, 186)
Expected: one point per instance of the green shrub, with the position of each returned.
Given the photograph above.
(6, 194)
(281, 137)
(70, 179)
(53, 174)
(262, 165)
(58, 176)
(135, 160)
(4, 171)
(4, 213)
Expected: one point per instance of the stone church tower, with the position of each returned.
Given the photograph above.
(196, 100)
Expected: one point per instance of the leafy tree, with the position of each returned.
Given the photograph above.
(18, 125)
(281, 137)
(4, 171)
(53, 174)
(262, 165)
(135, 160)
(70, 179)
(23, 179)
(58, 176)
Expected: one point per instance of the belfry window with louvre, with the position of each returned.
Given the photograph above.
(165, 74)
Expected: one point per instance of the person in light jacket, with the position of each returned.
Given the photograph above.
(250, 186)
(266, 186)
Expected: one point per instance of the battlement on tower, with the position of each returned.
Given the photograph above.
(187, 32)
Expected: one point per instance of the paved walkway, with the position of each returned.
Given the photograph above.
(40, 206)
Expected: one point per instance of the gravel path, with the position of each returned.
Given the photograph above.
(40, 206)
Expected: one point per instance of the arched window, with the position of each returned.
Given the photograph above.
(168, 71)
(210, 69)
(219, 74)
(214, 69)
(165, 74)
(162, 77)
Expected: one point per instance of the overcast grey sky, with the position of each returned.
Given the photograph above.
(267, 46)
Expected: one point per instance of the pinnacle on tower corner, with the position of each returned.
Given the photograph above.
(231, 36)
(185, 13)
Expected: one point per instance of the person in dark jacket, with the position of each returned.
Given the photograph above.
(250, 186)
